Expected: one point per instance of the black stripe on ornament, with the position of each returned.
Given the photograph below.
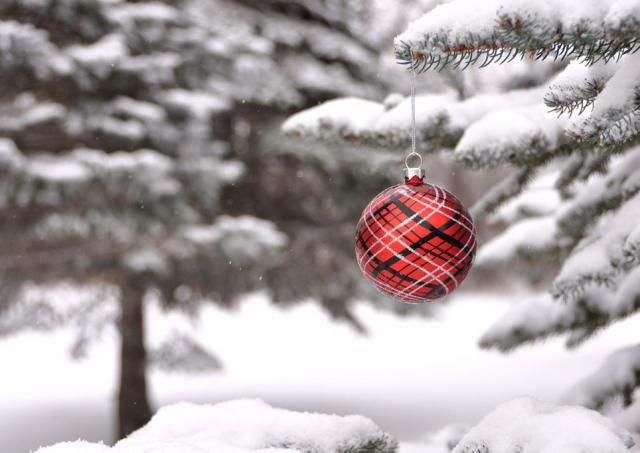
(416, 245)
(403, 280)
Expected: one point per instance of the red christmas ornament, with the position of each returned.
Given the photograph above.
(415, 241)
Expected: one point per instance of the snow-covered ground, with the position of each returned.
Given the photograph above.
(411, 375)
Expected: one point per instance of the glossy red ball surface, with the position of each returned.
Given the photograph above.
(416, 242)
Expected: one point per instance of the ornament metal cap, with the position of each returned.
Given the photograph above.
(411, 172)
(414, 176)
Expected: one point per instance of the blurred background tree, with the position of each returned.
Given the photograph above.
(123, 123)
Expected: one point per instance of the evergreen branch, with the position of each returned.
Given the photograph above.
(441, 119)
(580, 97)
(619, 375)
(595, 163)
(570, 170)
(502, 192)
(27, 54)
(474, 447)
(463, 56)
(382, 444)
(587, 313)
(532, 238)
(62, 256)
(581, 165)
(532, 151)
(60, 19)
(517, 33)
(618, 186)
(603, 257)
(576, 287)
(614, 129)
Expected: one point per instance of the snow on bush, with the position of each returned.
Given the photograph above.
(244, 426)
(527, 425)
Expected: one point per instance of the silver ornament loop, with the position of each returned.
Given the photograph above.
(410, 156)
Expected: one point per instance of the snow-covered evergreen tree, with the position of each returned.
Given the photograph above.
(563, 116)
(122, 124)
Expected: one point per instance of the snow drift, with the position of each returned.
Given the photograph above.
(528, 425)
(244, 426)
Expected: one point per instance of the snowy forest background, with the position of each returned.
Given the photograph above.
(180, 183)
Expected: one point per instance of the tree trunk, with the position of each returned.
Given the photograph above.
(133, 404)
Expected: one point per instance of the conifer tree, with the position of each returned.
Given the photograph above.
(562, 116)
(121, 126)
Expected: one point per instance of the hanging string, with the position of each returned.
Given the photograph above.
(413, 117)
(413, 107)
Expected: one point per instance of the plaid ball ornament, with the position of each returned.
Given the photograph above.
(415, 241)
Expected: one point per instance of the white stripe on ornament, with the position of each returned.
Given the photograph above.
(393, 230)
(369, 212)
(471, 237)
(419, 284)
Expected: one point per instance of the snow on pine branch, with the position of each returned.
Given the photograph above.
(528, 425)
(25, 47)
(441, 119)
(245, 426)
(346, 118)
(619, 375)
(475, 127)
(542, 316)
(245, 242)
(526, 320)
(180, 352)
(530, 209)
(527, 238)
(606, 250)
(629, 417)
(577, 86)
(539, 199)
(142, 176)
(462, 32)
(92, 307)
(26, 113)
(108, 51)
(615, 119)
(534, 136)
(244, 238)
(602, 193)
(501, 192)
(580, 166)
